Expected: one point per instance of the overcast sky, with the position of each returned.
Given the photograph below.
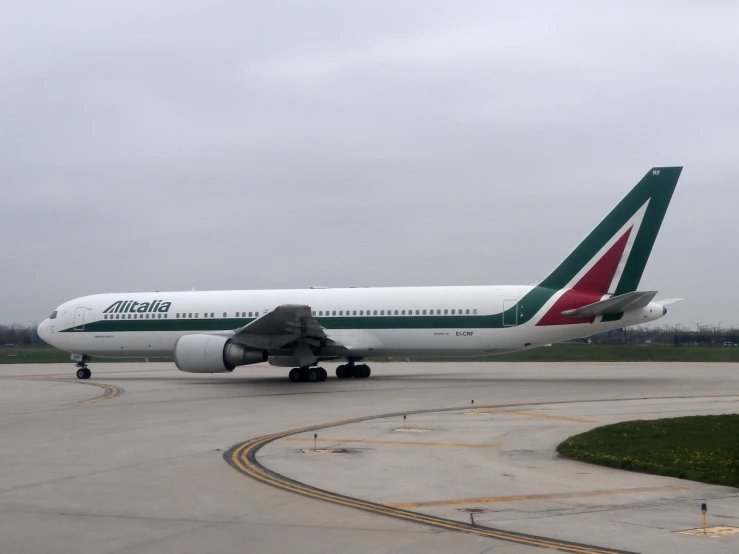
(161, 145)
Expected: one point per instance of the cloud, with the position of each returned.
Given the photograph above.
(266, 145)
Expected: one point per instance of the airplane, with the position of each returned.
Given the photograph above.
(592, 291)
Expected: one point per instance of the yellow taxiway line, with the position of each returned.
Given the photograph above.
(533, 414)
(412, 443)
(110, 391)
(242, 457)
(529, 497)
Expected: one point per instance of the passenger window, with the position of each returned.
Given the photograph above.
(166, 316)
(320, 313)
(424, 312)
(224, 314)
(117, 316)
(468, 311)
(396, 312)
(382, 312)
(374, 312)
(211, 314)
(402, 313)
(189, 315)
(333, 313)
(341, 312)
(453, 312)
(446, 312)
(196, 315)
(474, 311)
(418, 312)
(313, 313)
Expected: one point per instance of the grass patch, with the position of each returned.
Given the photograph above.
(48, 354)
(608, 353)
(556, 353)
(699, 448)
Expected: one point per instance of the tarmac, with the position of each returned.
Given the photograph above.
(145, 459)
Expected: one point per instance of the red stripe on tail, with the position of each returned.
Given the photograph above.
(590, 288)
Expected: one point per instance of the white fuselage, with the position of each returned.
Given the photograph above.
(403, 321)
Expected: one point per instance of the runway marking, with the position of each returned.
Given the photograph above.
(533, 414)
(529, 497)
(242, 457)
(412, 443)
(110, 391)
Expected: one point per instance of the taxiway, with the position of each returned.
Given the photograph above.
(145, 459)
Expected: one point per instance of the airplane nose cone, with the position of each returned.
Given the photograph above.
(43, 330)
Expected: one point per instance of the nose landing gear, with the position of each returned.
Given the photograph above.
(83, 372)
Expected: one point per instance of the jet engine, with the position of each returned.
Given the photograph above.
(213, 354)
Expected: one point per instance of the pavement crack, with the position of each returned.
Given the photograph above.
(70, 513)
(639, 524)
(101, 472)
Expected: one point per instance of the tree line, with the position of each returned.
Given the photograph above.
(18, 335)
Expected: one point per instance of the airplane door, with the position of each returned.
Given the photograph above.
(510, 312)
(79, 319)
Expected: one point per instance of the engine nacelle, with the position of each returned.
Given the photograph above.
(213, 354)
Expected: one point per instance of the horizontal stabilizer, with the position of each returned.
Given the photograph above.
(668, 301)
(614, 305)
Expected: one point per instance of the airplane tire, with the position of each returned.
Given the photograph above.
(343, 372)
(313, 375)
(322, 374)
(84, 373)
(295, 375)
(361, 371)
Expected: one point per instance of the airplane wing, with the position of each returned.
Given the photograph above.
(290, 323)
(614, 305)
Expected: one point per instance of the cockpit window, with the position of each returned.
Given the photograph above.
(53, 315)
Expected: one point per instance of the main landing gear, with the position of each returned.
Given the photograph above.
(83, 372)
(318, 374)
(347, 371)
(309, 374)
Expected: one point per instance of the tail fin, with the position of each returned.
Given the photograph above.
(612, 257)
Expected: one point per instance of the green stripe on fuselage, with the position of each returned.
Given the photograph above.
(494, 321)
